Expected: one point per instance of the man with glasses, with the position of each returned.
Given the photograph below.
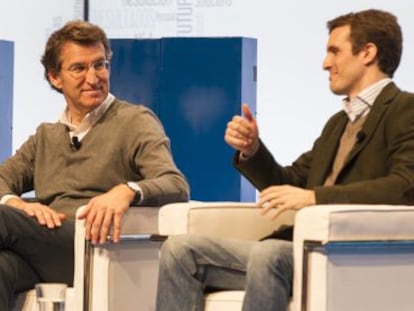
(103, 153)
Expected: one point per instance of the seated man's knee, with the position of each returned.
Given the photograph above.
(173, 246)
(175, 250)
(178, 251)
(270, 255)
(8, 269)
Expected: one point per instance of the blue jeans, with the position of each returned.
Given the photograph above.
(190, 265)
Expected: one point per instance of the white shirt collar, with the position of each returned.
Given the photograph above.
(90, 119)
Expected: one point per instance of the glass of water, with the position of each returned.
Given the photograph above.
(51, 296)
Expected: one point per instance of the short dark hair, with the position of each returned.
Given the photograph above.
(378, 27)
(80, 32)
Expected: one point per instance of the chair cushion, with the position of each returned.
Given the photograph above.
(230, 300)
(224, 301)
(212, 219)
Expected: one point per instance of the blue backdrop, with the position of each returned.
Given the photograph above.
(195, 86)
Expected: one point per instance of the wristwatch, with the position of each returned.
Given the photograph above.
(138, 192)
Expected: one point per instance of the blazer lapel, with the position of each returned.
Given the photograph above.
(374, 117)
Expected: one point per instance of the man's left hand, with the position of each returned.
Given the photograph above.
(274, 200)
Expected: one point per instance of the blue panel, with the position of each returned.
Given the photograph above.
(195, 85)
(6, 98)
(135, 71)
(201, 90)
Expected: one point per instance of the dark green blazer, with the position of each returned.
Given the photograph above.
(379, 169)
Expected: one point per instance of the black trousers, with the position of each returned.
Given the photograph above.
(32, 253)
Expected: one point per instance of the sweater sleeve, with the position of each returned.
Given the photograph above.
(162, 182)
(16, 173)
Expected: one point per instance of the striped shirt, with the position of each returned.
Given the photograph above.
(362, 103)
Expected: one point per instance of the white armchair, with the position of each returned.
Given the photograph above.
(354, 257)
(347, 257)
(113, 277)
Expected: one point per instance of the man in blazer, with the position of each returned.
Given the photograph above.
(376, 170)
(365, 154)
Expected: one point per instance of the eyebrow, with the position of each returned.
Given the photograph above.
(103, 58)
(332, 49)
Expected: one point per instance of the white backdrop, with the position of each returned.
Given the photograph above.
(28, 23)
(293, 101)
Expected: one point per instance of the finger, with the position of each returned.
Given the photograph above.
(29, 211)
(117, 227)
(236, 138)
(40, 217)
(237, 129)
(265, 206)
(269, 198)
(106, 226)
(278, 212)
(56, 219)
(240, 134)
(96, 226)
(61, 216)
(48, 218)
(238, 144)
(247, 112)
(90, 217)
(270, 191)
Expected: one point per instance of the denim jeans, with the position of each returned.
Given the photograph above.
(190, 265)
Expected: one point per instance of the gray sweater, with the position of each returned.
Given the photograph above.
(128, 143)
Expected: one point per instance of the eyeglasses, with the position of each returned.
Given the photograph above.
(80, 70)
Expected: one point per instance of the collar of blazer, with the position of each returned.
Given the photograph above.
(378, 109)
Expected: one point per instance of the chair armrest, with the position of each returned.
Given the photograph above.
(137, 221)
(79, 261)
(321, 225)
(218, 219)
(354, 222)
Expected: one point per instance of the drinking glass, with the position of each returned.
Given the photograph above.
(51, 296)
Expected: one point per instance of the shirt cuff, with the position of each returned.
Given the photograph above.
(7, 197)
(243, 157)
(136, 188)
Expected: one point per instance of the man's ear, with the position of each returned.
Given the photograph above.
(55, 80)
(370, 53)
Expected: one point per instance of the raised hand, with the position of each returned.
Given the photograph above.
(242, 132)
